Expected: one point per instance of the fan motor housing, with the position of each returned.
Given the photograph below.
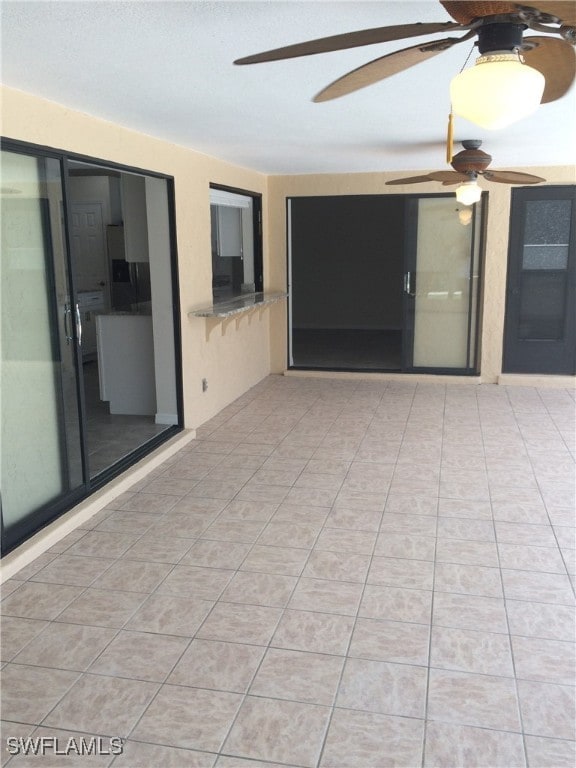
(471, 160)
(465, 11)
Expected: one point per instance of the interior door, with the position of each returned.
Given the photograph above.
(42, 459)
(540, 329)
(441, 282)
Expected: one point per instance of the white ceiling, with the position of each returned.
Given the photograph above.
(165, 68)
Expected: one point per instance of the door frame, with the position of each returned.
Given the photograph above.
(409, 258)
(18, 533)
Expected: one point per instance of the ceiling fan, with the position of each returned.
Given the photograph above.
(468, 165)
(499, 26)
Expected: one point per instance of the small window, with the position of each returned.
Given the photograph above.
(236, 244)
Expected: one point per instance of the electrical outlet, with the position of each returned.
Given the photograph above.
(204, 385)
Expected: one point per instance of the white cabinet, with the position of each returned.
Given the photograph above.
(126, 363)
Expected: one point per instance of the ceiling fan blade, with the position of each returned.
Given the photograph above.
(410, 180)
(449, 177)
(384, 67)
(556, 60)
(350, 40)
(511, 177)
(565, 10)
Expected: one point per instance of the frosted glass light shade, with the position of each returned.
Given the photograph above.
(468, 193)
(497, 91)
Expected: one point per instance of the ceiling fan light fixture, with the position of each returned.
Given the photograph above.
(497, 91)
(468, 193)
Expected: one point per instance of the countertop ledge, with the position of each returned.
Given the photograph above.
(239, 304)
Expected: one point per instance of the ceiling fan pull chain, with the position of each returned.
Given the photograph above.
(450, 137)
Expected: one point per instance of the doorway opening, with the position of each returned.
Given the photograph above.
(384, 283)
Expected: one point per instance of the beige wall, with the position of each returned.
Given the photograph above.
(232, 362)
(282, 187)
(236, 355)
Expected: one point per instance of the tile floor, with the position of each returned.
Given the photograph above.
(334, 574)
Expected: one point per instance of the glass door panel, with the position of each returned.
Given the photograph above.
(41, 456)
(441, 284)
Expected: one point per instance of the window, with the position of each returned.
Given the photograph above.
(236, 244)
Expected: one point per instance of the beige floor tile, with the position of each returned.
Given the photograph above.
(533, 619)
(76, 571)
(383, 687)
(326, 596)
(102, 544)
(243, 531)
(524, 534)
(241, 623)
(301, 515)
(338, 566)
(476, 510)
(285, 561)
(259, 589)
(284, 534)
(256, 511)
(224, 761)
(465, 650)
(151, 548)
(468, 580)
(101, 608)
(464, 528)
(180, 525)
(127, 522)
(217, 665)
(524, 558)
(15, 633)
(167, 614)
(405, 545)
(538, 587)
(133, 576)
(137, 754)
(412, 505)
(396, 604)
(469, 699)
(298, 676)
(140, 656)
(34, 600)
(66, 646)
(467, 552)
(547, 709)
(470, 612)
(550, 753)
(364, 501)
(417, 525)
(216, 554)
(29, 693)
(390, 641)
(314, 632)
(361, 739)
(408, 574)
(462, 745)
(550, 661)
(353, 519)
(190, 718)
(278, 731)
(195, 581)
(337, 540)
(150, 502)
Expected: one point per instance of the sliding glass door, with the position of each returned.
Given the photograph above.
(41, 449)
(384, 283)
(89, 361)
(441, 284)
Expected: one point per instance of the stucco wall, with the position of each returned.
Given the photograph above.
(236, 356)
(232, 362)
(282, 187)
